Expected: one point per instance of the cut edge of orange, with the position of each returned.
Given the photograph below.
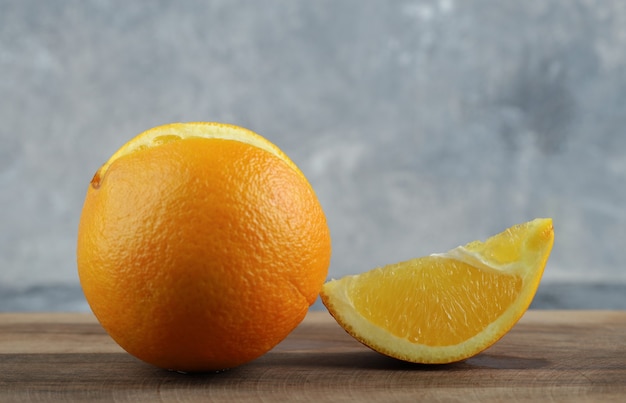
(335, 295)
(208, 130)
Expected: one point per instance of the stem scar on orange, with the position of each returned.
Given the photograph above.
(201, 246)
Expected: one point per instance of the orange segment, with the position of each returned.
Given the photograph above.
(444, 307)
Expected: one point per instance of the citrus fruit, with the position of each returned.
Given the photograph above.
(444, 307)
(201, 246)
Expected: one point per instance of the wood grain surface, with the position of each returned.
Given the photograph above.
(548, 356)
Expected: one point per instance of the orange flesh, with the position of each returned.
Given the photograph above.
(459, 310)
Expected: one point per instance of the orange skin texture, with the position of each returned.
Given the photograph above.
(201, 254)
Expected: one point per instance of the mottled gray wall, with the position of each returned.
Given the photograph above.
(421, 124)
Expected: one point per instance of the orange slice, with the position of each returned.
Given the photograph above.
(444, 307)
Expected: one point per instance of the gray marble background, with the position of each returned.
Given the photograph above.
(421, 124)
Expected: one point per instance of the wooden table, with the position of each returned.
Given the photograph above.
(548, 356)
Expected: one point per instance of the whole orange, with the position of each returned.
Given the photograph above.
(201, 246)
